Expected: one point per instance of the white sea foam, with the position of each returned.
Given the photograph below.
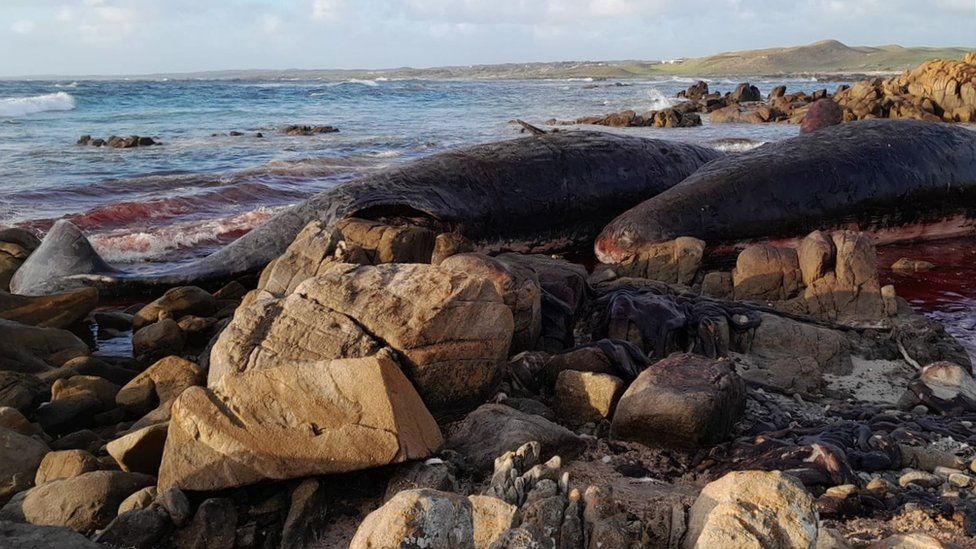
(22, 106)
(660, 101)
(736, 144)
(363, 82)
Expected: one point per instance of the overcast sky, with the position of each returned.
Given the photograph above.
(146, 36)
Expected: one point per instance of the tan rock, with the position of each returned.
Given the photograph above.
(452, 330)
(388, 243)
(582, 397)
(102, 389)
(906, 265)
(914, 540)
(491, 518)
(139, 500)
(11, 418)
(448, 244)
(65, 464)
(49, 311)
(753, 509)
(83, 503)
(419, 518)
(816, 256)
(157, 340)
(293, 421)
(675, 262)
(766, 272)
(160, 383)
(33, 349)
(175, 304)
(140, 451)
(20, 456)
(312, 253)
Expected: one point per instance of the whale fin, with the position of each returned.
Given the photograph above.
(55, 265)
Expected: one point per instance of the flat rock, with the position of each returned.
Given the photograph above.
(32, 349)
(509, 430)
(50, 311)
(20, 456)
(683, 401)
(295, 421)
(84, 503)
(753, 509)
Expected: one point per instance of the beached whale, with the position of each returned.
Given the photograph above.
(543, 193)
(898, 180)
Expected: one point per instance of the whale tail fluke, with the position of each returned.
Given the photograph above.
(55, 265)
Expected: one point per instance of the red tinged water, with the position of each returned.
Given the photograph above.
(947, 292)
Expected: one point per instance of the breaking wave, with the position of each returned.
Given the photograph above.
(660, 101)
(22, 106)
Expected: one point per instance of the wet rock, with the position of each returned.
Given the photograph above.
(766, 272)
(31, 349)
(213, 527)
(70, 414)
(745, 92)
(13, 535)
(906, 265)
(65, 464)
(754, 509)
(519, 288)
(158, 340)
(20, 456)
(682, 401)
(675, 262)
(83, 503)
(137, 528)
(159, 385)
(823, 113)
(294, 421)
(452, 330)
(308, 130)
(510, 429)
(49, 311)
(175, 304)
(582, 397)
(140, 451)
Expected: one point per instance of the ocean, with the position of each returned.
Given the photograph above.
(149, 207)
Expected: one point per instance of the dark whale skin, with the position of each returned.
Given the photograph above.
(898, 179)
(536, 194)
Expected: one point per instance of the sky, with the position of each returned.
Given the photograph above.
(79, 37)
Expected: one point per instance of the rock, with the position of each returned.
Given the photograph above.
(822, 113)
(744, 93)
(492, 517)
(137, 528)
(15, 535)
(906, 265)
(89, 366)
(175, 304)
(384, 243)
(140, 451)
(139, 500)
(683, 401)
(920, 478)
(717, 284)
(65, 464)
(766, 272)
(294, 421)
(564, 290)
(49, 311)
(101, 389)
(315, 250)
(419, 518)
(510, 429)
(31, 349)
(308, 130)
(213, 527)
(960, 480)
(159, 385)
(816, 255)
(306, 518)
(22, 392)
(516, 284)
(78, 440)
(83, 503)
(696, 91)
(778, 91)
(20, 456)
(582, 397)
(452, 330)
(448, 244)
(588, 358)
(176, 504)
(753, 509)
(851, 292)
(158, 340)
(434, 474)
(69, 414)
(915, 540)
(675, 262)
(11, 418)
(944, 387)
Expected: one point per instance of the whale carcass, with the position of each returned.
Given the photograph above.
(542, 193)
(895, 179)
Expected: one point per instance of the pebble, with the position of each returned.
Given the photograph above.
(920, 478)
(960, 480)
(841, 492)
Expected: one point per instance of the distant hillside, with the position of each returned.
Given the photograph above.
(829, 56)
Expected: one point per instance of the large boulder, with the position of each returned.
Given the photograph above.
(582, 397)
(683, 401)
(20, 456)
(509, 429)
(753, 509)
(452, 330)
(675, 262)
(382, 243)
(65, 464)
(823, 113)
(49, 311)
(293, 421)
(33, 349)
(766, 272)
(83, 503)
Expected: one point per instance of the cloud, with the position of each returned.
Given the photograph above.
(270, 24)
(23, 26)
(327, 10)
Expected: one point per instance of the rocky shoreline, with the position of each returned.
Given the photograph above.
(388, 382)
